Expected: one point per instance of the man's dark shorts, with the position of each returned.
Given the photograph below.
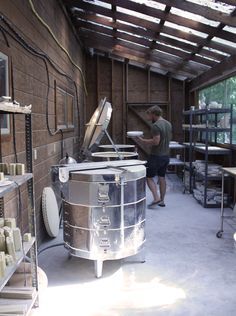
(157, 166)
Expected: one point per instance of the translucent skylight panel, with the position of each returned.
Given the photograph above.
(181, 40)
(138, 15)
(97, 24)
(224, 42)
(194, 17)
(230, 29)
(130, 42)
(186, 29)
(207, 58)
(171, 57)
(171, 46)
(152, 4)
(132, 34)
(127, 23)
(216, 5)
(100, 3)
(216, 51)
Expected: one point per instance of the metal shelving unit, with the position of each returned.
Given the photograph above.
(174, 161)
(29, 248)
(209, 127)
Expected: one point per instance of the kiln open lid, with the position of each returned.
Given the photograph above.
(97, 125)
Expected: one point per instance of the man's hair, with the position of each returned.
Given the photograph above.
(156, 110)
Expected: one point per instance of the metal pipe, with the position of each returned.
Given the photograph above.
(113, 144)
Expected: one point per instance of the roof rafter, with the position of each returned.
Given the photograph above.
(108, 46)
(147, 24)
(201, 10)
(145, 42)
(173, 18)
(207, 40)
(146, 33)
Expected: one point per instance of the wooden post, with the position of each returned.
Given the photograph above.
(113, 131)
(125, 98)
(169, 98)
(148, 85)
(98, 81)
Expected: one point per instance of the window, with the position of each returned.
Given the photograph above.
(222, 94)
(4, 91)
(64, 109)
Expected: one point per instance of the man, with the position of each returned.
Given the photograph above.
(159, 158)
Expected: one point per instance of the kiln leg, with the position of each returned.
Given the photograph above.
(98, 268)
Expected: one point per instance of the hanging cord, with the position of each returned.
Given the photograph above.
(58, 43)
(47, 96)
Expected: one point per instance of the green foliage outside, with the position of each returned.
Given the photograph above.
(223, 92)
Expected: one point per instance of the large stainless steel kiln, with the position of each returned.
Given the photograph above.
(104, 205)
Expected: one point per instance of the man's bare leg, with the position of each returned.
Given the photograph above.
(162, 184)
(153, 188)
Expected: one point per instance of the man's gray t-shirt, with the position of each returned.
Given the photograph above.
(163, 128)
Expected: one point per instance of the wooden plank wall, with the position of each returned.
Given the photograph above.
(30, 83)
(122, 83)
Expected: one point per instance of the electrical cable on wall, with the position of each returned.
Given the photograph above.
(17, 37)
(58, 43)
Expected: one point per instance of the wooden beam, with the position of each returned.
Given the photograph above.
(131, 108)
(161, 24)
(134, 52)
(98, 79)
(201, 10)
(150, 25)
(225, 69)
(124, 116)
(148, 84)
(146, 33)
(112, 102)
(169, 98)
(142, 41)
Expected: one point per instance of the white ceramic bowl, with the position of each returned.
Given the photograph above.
(134, 133)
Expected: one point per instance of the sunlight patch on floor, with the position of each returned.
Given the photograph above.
(108, 296)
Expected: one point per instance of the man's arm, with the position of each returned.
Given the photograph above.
(151, 141)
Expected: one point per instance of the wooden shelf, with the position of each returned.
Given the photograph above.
(210, 205)
(175, 145)
(212, 150)
(18, 181)
(208, 177)
(19, 257)
(176, 162)
(9, 107)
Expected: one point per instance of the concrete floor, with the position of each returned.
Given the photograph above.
(188, 271)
